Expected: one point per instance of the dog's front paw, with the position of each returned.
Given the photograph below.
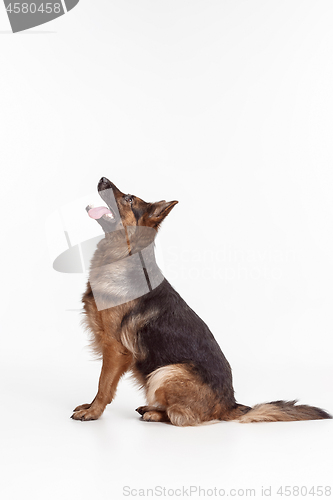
(86, 413)
(83, 407)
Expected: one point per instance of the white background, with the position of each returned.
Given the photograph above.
(227, 107)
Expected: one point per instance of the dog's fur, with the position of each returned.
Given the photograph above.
(157, 336)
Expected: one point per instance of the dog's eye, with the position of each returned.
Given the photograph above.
(129, 198)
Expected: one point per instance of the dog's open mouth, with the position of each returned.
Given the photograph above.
(100, 212)
(109, 213)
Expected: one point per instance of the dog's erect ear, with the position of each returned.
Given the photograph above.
(158, 211)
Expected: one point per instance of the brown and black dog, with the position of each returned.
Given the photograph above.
(141, 324)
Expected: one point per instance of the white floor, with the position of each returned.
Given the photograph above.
(47, 455)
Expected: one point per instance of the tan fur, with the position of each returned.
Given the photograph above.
(129, 339)
(187, 400)
(103, 325)
(115, 363)
(155, 416)
(159, 377)
(264, 413)
(286, 411)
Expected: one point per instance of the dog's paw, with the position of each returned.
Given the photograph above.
(143, 409)
(86, 414)
(83, 407)
(153, 416)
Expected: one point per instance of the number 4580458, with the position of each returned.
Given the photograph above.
(31, 8)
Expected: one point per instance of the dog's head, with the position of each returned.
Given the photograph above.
(127, 210)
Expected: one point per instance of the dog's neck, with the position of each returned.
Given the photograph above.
(124, 267)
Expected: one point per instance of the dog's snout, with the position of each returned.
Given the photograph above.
(103, 180)
(104, 183)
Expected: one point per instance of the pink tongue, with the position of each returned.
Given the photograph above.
(98, 212)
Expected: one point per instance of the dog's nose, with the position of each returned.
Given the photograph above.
(104, 183)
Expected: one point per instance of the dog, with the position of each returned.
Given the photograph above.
(139, 323)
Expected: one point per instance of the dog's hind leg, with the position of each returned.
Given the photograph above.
(185, 398)
(116, 361)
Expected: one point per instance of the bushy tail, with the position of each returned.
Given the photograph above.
(279, 411)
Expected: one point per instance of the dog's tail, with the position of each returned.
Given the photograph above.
(278, 411)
